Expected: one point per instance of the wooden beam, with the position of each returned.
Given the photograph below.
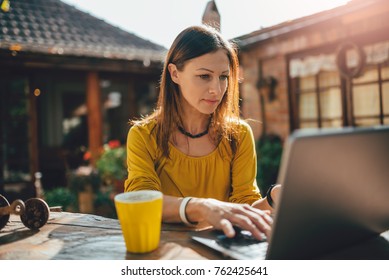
(132, 106)
(95, 119)
(42, 61)
(33, 127)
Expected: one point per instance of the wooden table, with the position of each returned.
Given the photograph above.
(90, 237)
(83, 236)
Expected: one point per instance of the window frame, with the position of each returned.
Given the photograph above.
(348, 118)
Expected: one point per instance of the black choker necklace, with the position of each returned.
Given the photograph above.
(183, 131)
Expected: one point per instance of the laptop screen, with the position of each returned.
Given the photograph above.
(335, 191)
(335, 194)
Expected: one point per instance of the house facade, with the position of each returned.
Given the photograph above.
(329, 69)
(68, 82)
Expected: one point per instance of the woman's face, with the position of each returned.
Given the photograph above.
(202, 81)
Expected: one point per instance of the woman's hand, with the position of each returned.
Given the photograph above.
(275, 193)
(263, 203)
(224, 215)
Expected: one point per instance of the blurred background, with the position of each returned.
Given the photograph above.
(73, 73)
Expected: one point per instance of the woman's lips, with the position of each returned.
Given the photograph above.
(211, 101)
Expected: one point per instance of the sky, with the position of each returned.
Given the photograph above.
(160, 21)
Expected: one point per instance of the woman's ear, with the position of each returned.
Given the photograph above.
(173, 72)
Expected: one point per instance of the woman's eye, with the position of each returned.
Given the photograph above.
(204, 77)
(223, 78)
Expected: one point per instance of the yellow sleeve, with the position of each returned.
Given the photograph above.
(141, 152)
(244, 169)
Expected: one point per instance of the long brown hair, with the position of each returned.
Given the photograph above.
(193, 42)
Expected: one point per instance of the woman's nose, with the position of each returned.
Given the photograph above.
(216, 87)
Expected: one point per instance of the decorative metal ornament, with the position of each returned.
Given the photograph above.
(36, 213)
(17, 207)
(3, 218)
(341, 60)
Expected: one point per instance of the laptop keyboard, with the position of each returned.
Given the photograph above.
(243, 245)
(241, 238)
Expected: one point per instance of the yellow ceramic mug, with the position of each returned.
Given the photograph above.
(140, 216)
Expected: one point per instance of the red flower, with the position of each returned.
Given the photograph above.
(87, 156)
(114, 144)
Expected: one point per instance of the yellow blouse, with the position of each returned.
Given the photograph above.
(217, 175)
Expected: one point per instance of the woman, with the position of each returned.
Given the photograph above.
(194, 148)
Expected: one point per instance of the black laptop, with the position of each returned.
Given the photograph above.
(335, 195)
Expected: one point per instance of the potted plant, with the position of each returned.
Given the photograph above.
(111, 165)
(85, 183)
(269, 151)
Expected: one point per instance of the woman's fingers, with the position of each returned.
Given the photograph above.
(225, 215)
(261, 219)
(252, 223)
(227, 228)
(268, 217)
(264, 214)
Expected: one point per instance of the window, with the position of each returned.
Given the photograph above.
(370, 96)
(320, 99)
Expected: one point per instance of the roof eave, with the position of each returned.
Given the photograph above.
(256, 37)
